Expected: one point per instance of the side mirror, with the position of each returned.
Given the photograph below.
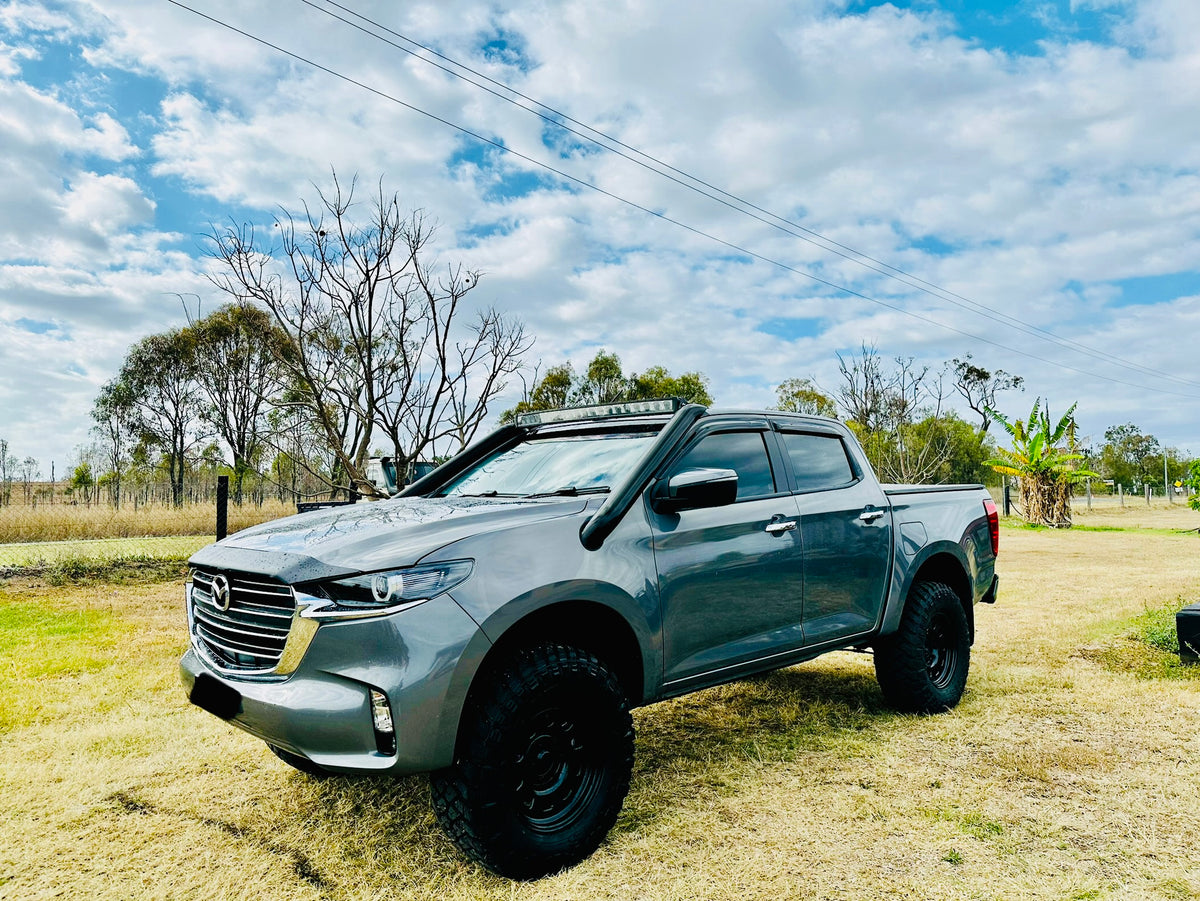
(695, 488)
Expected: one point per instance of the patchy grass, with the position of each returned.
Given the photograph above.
(43, 554)
(1059, 776)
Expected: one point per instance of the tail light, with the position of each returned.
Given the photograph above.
(993, 518)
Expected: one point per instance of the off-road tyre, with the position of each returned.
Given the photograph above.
(542, 764)
(303, 764)
(922, 668)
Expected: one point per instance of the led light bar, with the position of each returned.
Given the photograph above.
(597, 411)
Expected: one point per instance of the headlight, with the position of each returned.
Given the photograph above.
(373, 594)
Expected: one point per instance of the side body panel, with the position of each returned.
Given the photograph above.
(944, 522)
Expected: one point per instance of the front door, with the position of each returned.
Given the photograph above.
(730, 578)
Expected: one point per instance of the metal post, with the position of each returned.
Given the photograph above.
(1007, 497)
(1166, 482)
(1147, 495)
(1121, 493)
(1089, 493)
(222, 507)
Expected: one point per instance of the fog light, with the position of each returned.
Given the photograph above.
(381, 716)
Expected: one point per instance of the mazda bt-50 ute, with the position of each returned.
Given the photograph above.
(494, 624)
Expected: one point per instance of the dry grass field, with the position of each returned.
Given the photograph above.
(1071, 770)
(68, 522)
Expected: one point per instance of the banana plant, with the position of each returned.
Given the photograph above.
(1043, 463)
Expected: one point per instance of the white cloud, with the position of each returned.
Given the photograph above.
(1046, 177)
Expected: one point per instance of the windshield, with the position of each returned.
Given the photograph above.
(558, 465)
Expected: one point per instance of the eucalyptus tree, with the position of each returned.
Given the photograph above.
(114, 413)
(604, 382)
(159, 374)
(803, 396)
(238, 357)
(979, 387)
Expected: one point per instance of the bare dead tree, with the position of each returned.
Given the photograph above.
(375, 343)
(884, 406)
(863, 395)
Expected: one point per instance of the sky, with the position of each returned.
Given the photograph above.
(1032, 168)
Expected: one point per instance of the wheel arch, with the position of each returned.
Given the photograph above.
(944, 562)
(587, 625)
(948, 569)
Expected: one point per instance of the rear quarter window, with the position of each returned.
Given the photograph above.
(818, 461)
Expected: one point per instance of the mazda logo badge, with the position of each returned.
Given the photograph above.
(220, 593)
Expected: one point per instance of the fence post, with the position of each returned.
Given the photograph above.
(1121, 493)
(1007, 497)
(1147, 495)
(222, 507)
(1089, 493)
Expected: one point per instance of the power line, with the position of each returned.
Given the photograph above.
(662, 216)
(557, 118)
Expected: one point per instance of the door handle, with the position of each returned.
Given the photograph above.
(778, 528)
(870, 515)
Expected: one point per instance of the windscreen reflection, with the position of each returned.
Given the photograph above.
(549, 464)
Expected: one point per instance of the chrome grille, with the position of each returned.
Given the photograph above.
(249, 636)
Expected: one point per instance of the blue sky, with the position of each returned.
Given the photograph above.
(1038, 162)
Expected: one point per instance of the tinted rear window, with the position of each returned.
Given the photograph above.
(818, 461)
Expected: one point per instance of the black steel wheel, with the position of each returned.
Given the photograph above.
(922, 668)
(543, 764)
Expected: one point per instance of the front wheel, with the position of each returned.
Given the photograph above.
(542, 767)
(922, 668)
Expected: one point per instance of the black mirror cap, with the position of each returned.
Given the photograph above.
(695, 488)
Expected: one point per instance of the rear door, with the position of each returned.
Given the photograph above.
(845, 527)
(731, 580)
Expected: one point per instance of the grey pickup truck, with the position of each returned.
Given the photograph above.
(494, 624)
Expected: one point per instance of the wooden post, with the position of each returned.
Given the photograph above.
(1121, 493)
(222, 507)
(1089, 493)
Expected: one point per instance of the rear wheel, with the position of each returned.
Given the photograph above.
(922, 668)
(543, 764)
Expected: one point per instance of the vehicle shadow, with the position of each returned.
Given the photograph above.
(686, 747)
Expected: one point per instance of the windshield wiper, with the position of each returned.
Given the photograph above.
(572, 491)
(492, 493)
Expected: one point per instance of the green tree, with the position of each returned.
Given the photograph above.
(1043, 458)
(82, 481)
(1193, 482)
(239, 350)
(803, 396)
(656, 382)
(604, 382)
(159, 374)
(114, 413)
(1130, 458)
(963, 451)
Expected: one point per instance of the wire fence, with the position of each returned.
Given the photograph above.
(47, 533)
(39, 534)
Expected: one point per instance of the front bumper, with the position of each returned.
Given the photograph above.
(422, 659)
